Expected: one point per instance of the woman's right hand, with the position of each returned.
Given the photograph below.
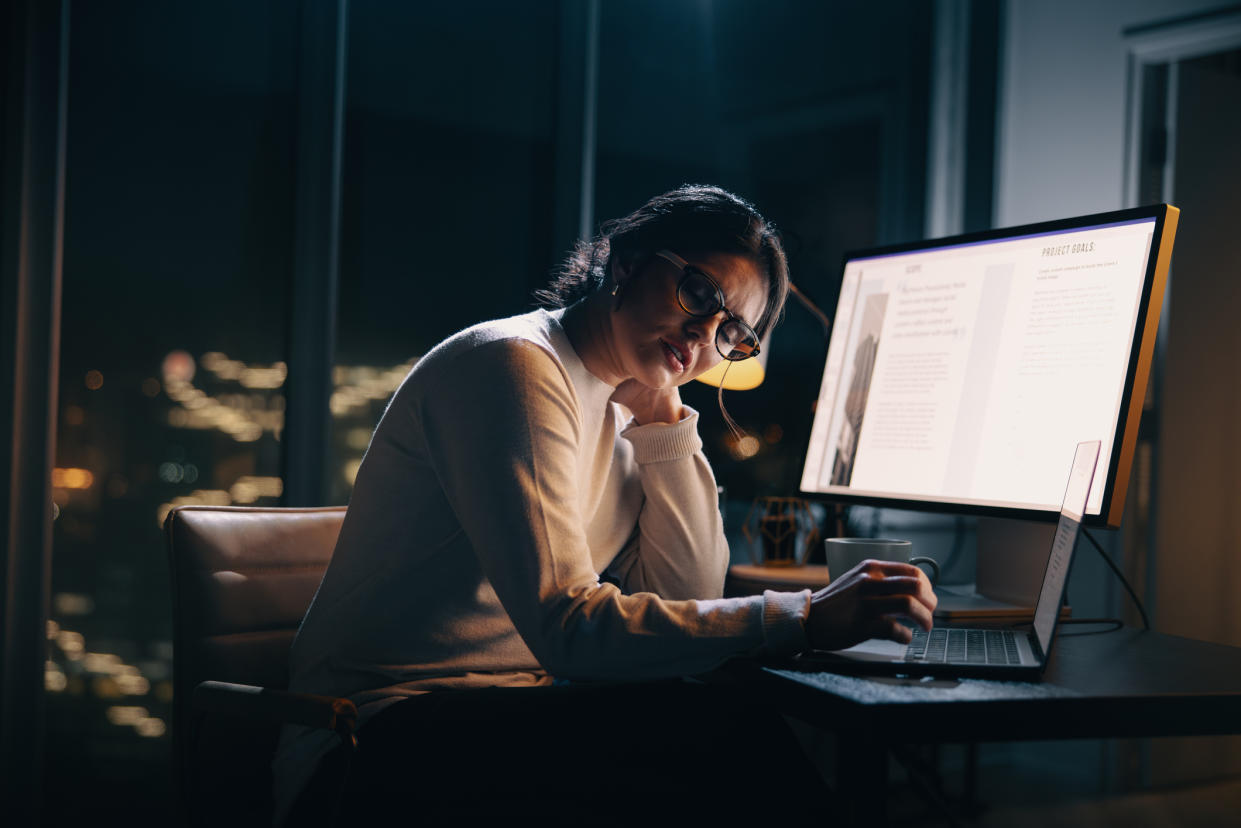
(649, 405)
(866, 602)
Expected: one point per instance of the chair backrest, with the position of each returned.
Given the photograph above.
(242, 579)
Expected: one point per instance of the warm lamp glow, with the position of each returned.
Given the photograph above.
(738, 376)
(749, 373)
(72, 479)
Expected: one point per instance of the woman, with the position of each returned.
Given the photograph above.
(535, 509)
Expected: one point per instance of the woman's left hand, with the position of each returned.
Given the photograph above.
(649, 405)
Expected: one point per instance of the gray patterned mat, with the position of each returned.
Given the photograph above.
(882, 690)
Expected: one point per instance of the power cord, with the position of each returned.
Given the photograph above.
(958, 541)
(1146, 624)
(1115, 623)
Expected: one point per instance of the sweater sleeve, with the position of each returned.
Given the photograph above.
(501, 425)
(679, 549)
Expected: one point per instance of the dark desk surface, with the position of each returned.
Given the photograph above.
(1126, 683)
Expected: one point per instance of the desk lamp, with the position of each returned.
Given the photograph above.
(778, 517)
(749, 373)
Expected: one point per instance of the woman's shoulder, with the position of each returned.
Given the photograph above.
(495, 340)
(534, 327)
(497, 352)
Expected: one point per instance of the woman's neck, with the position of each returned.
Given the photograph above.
(588, 325)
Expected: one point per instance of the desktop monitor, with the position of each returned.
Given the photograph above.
(962, 372)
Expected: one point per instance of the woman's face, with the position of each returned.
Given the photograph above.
(657, 342)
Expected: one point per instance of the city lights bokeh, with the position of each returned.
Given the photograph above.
(225, 410)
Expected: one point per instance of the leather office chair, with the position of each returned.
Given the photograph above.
(242, 580)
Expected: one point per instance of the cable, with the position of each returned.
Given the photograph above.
(1146, 624)
(1091, 621)
(958, 541)
(1116, 624)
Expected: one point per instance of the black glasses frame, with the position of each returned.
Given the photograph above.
(686, 270)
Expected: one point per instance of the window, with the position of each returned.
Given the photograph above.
(177, 256)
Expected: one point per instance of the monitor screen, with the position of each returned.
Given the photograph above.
(965, 374)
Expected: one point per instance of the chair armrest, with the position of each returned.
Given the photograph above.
(277, 707)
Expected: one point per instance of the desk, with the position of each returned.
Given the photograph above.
(752, 579)
(1122, 684)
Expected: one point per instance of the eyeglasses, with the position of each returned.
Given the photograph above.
(699, 295)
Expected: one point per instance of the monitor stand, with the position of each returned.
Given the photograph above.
(1012, 556)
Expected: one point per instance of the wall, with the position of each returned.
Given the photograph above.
(1060, 147)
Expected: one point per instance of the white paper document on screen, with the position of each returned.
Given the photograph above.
(968, 374)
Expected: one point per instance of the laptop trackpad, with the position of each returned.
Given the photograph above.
(876, 649)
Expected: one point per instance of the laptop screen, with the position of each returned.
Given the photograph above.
(1076, 494)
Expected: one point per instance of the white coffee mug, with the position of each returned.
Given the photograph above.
(845, 553)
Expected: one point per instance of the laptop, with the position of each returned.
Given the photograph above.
(961, 652)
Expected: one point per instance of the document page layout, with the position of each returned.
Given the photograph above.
(969, 373)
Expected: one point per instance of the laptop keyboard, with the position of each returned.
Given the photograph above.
(963, 646)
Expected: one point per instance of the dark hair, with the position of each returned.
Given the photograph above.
(693, 218)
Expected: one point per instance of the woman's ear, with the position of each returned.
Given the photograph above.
(621, 267)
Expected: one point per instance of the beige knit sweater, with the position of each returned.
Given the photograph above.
(501, 501)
